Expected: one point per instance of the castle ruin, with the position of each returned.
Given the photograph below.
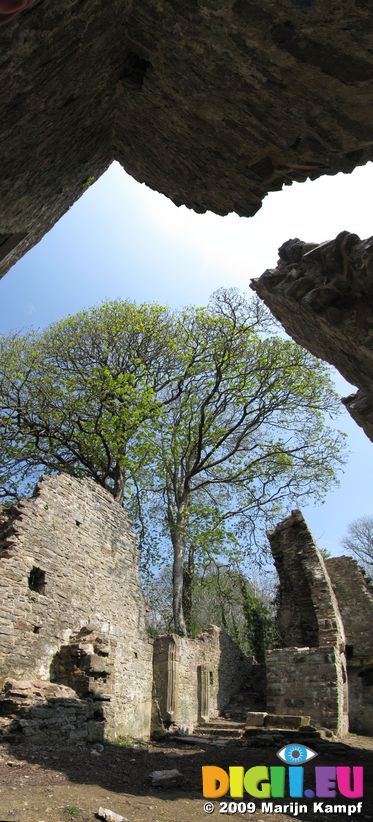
(77, 661)
(76, 658)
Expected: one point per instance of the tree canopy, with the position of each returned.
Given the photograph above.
(204, 421)
(245, 436)
(78, 397)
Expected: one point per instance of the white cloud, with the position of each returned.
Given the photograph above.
(241, 247)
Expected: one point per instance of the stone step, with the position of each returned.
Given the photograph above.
(262, 719)
(207, 730)
(240, 716)
(222, 722)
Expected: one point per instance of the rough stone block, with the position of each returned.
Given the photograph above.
(110, 816)
(286, 721)
(166, 779)
(255, 719)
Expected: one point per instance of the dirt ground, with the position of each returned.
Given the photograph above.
(57, 785)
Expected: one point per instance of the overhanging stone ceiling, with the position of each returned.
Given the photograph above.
(212, 102)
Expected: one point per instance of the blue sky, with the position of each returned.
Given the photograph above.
(123, 240)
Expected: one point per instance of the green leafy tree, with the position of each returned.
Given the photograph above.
(261, 623)
(246, 435)
(80, 397)
(203, 421)
(225, 597)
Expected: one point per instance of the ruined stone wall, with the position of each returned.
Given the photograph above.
(355, 598)
(310, 682)
(322, 295)
(354, 593)
(310, 679)
(72, 608)
(195, 679)
(360, 699)
(47, 713)
(308, 611)
(191, 98)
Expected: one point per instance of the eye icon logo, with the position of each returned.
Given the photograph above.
(296, 754)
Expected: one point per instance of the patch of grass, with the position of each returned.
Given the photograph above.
(124, 742)
(72, 810)
(129, 742)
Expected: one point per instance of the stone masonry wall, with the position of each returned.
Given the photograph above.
(310, 682)
(72, 609)
(308, 611)
(360, 699)
(322, 295)
(310, 679)
(47, 713)
(195, 679)
(355, 598)
(191, 98)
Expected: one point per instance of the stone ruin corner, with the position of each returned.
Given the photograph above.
(325, 668)
(323, 296)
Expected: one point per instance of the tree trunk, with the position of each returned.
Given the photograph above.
(118, 479)
(222, 599)
(178, 584)
(178, 529)
(188, 590)
(177, 518)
